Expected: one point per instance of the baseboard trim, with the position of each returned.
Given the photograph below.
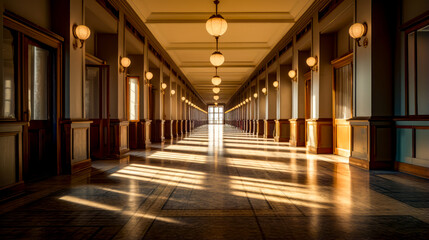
(412, 169)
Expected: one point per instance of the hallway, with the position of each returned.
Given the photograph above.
(220, 183)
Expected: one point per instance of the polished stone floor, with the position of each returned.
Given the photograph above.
(221, 183)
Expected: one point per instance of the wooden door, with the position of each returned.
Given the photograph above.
(342, 104)
(96, 107)
(38, 102)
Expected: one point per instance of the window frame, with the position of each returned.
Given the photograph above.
(128, 98)
(413, 29)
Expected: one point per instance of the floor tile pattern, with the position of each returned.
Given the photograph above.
(221, 183)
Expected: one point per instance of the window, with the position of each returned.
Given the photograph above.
(216, 114)
(417, 70)
(133, 98)
(343, 92)
(7, 84)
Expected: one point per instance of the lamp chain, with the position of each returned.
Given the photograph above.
(217, 43)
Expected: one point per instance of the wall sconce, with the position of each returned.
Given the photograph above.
(312, 63)
(186, 101)
(357, 31)
(292, 74)
(276, 84)
(250, 99)
(125, 63)
(255, 95)
(247, 100)
(183, 99)
(172, 92)
(81, 33)
(148, 76)
(216, 90)
(163, 87)
(264, 91)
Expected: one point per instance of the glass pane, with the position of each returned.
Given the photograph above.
(423, 71)
(411, 73)
(7, 84)
(343, 92)
(38, 63)
(92, 95)
(134, 101)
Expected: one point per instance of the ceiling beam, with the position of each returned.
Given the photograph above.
(225, 45)
(231, 17)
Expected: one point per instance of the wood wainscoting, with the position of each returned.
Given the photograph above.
(120, 135)
(76, 146)
(269, 127)
(11, 180)
(282, 130)
(156, 131)
(137, 135)
(167, 129)
(173, 128)
(297, 132)
(319, 135)
(260, 128)
(255, 127)
(372, 143)
(412, 143)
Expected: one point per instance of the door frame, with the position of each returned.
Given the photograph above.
(25, 28)
(92, 61)
(338, 63)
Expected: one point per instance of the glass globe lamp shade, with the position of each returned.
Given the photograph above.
(216, 80)
(149, 75)
(247, 100)
(217, 59)
(292, 73)
(276, 84)
(183, 98)
(255, 95)
(125, 62)
(82, 32)
(264, 90)
(216, 25)
(311, 61)
(173, 92)
(357, 30)
(163, 86)
(216, 90)
(216, 97)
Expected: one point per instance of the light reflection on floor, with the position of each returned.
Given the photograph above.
(221, 183)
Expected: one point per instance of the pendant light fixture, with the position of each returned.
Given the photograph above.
(216, 80)
(216, 90)
(217, 57)
(216, 25)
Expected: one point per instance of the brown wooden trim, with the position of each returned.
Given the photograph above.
(415, 23)
(93, 59)
(412, 127)
(412, 169)
(359, 162)
(81, 165)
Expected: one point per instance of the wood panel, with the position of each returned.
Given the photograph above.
(342, 138)
(11, 158)
(167, 129)
(156, 131)
(76, 145)
(372, 143)
(297, 132)
(319, 135)
(120, 138)
(141, 135)
(133, 135)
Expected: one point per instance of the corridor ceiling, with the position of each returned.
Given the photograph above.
(254, 28)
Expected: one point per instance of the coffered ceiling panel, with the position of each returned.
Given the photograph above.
(254, 28)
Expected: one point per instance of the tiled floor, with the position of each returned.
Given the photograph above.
(220, 183)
